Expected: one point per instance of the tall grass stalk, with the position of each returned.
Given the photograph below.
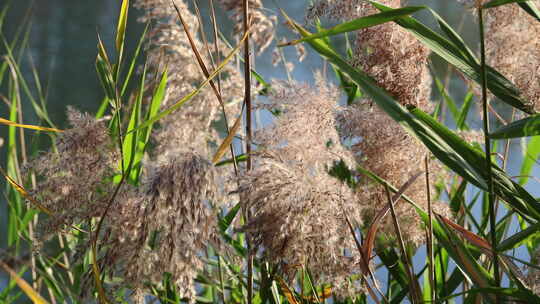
(487, 148)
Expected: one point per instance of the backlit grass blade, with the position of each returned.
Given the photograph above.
(360, 23)
(121, 27)
(25, 287)
(530, 155)
(527, 5)
(222, 149)
(529, 126)
(104, 70)
(32, 127)
(520, 238)
(131, 140)
(153, 109)
(20, 189)
(19, 79)
(133, 62)
(530, 8)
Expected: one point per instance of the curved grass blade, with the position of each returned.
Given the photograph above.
(520, 238)
(530, 8)
(530, 156)
(359, 23)
(529, 126)
(23, 193)
(509, 191)
(440, 148)
(527, 5)
(222, 149)
(38, 128)
(25, 287)
(369, 242)
(122, 24)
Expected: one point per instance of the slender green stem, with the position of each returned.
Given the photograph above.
(491, 196)
(430, 236)
(221, 283)
(413, 290)
(247, 103)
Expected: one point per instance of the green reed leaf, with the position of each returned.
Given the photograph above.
(529, 126)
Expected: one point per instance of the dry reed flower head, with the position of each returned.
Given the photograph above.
(472, 136)
(392, 56)
(298, 210)
(396, 60)
(383, 147)
(72, 182)
(337, 9)
(398, 63)
(168, 45)
(299, 219)
(167, 225)
(533, 277)
(513, 48)
(263, 26)
(305, 132)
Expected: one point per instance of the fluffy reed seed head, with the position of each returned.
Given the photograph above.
(167, 225)
(392, 56)
(305, 132)
(533, 277)
(298, 210)
(398, 63)
(383, 147)
(513, 48)
(263, 25)
(168, 45)
(72, 182)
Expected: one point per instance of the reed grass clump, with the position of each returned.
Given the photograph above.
(179, 193)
